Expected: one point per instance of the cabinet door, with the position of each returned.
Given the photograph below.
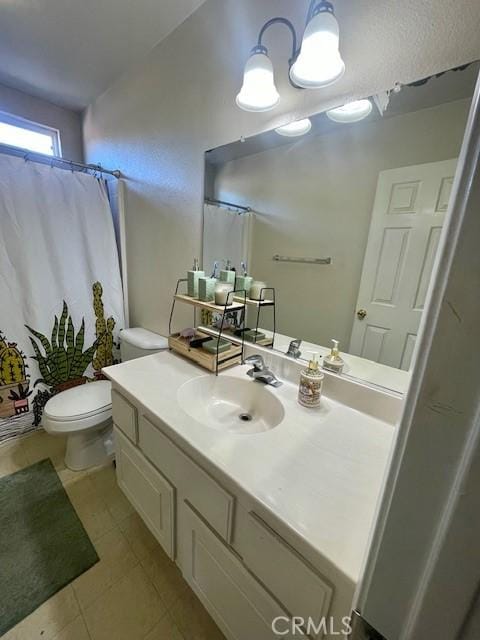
(285, 573)
(205, 494)
(149, 492)
(236, 601)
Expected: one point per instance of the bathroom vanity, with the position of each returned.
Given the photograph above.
(265, 506)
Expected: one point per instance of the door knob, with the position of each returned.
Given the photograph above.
(361, 313)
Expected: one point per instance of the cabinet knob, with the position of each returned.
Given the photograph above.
(361, 314)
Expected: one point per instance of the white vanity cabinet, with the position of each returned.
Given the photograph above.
(241, 569)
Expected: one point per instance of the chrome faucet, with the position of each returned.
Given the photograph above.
(260, 372)
(294, 349)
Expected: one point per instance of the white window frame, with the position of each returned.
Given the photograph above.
(29, 125)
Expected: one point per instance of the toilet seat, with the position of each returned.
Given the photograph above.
(80, 408)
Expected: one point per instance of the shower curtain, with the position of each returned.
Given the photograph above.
(61, 303)
(226, 236)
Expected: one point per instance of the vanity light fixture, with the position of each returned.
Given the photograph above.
(258, 92)
(317, 63)
(350, 112)
(296, 128)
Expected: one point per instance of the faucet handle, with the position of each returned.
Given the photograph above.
(257, 362)
(294, 348)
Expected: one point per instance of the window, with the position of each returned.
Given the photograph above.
(18, 132)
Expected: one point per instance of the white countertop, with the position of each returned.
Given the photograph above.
(319, 471)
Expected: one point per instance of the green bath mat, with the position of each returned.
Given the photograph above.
(43, 545)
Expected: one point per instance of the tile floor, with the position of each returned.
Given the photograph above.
(135, 592)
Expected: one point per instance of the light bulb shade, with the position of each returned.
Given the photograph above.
(351, 112)
(258, 92)
(319, 62)
(293, 129)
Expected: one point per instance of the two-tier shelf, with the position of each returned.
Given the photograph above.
(219, 360)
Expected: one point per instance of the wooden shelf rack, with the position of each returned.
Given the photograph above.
(215, 362)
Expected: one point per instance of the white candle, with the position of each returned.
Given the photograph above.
(221, 293)
(256, 292)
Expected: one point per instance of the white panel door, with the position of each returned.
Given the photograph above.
(407, 220)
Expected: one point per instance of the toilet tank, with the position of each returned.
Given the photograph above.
(137, 342)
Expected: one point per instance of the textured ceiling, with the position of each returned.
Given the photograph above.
(70, 51)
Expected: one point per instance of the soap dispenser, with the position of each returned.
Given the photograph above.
(228, 274)
(193, 277)
(206, 286)
(311, 382)
(333, 362)
(244, 281)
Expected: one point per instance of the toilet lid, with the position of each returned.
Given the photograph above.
(144, 339)
(80, 402)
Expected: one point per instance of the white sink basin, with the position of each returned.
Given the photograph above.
(230, 404)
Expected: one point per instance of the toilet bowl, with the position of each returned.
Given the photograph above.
(83, 414)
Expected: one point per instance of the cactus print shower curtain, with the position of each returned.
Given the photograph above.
(61, 303)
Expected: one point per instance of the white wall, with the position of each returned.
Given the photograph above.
(68, 122)
(314, 197)
(156, 122)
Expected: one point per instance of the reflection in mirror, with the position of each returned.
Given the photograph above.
(344, 222)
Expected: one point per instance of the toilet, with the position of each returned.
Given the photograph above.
(84, 414)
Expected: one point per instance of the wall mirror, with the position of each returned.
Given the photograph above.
(343, 221)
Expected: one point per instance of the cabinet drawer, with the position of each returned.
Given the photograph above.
(237, 602)
(149, 492)
(200, 489)
(124, 416)
(283, 571)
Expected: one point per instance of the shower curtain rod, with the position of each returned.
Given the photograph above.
(228, 204)
(34, 156)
